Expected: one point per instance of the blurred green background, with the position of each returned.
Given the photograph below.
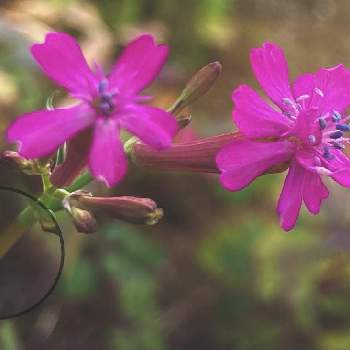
(217, 272)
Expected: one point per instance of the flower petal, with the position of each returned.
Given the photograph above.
(313, 162)
(107, 160)
(340, 165)
(328, 89)
(254, 117)
(271, 70)
(40, 133)
(335, 85)
(241, 161)
(153, 126)
(303, 88)
(138, 65)
(290, 200)
(61, 58)
(314, 191)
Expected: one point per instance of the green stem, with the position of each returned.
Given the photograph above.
(80, 182)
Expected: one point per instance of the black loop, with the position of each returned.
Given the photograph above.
(58, 233)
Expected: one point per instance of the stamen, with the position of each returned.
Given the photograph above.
(343, 127)
(312, 139)
(302, 98)
(336, 116)
(105, 107)
(102, 86)
(336, 135)
(289, 114)
(319, 91)
(287, 101)
(326, 153)
(322, 122)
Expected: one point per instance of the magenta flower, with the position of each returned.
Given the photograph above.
(307, 130)
(107, 104)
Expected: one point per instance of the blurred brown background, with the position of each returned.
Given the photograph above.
(217, 272)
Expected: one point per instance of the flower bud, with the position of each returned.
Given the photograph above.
(83, 220)
(198, 85)
(15, 161)
(130, 209)
(195, 156)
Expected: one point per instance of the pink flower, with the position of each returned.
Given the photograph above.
(307, 129)
(106, 104)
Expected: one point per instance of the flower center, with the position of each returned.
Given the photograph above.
(104, 103)
(330, 128)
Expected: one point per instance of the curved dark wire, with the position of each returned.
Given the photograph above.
(58, 233)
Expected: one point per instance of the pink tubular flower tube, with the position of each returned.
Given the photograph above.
(106, 104)
(307, 129)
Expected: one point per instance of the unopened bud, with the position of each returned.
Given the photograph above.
(130, 209)
(46, 222)
(198, 85)
(14, 160)
(195, 156)
(198, 156)
(83, 220)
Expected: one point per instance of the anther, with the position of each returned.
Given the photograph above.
(343, 127)
(327, 154)
(322, 122)
(105, 107)
(336, 135)
(102, 86)
(336, 116)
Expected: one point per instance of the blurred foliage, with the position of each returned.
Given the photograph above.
(217, 272)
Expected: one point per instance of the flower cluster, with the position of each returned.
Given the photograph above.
(303, 130)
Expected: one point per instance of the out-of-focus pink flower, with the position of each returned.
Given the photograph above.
(107, 104)
(306, 128)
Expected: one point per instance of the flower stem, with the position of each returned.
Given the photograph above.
(80, 182)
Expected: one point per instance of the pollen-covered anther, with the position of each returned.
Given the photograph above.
(343, 127)
(336, 135)
(326, 153)
(322, 123)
